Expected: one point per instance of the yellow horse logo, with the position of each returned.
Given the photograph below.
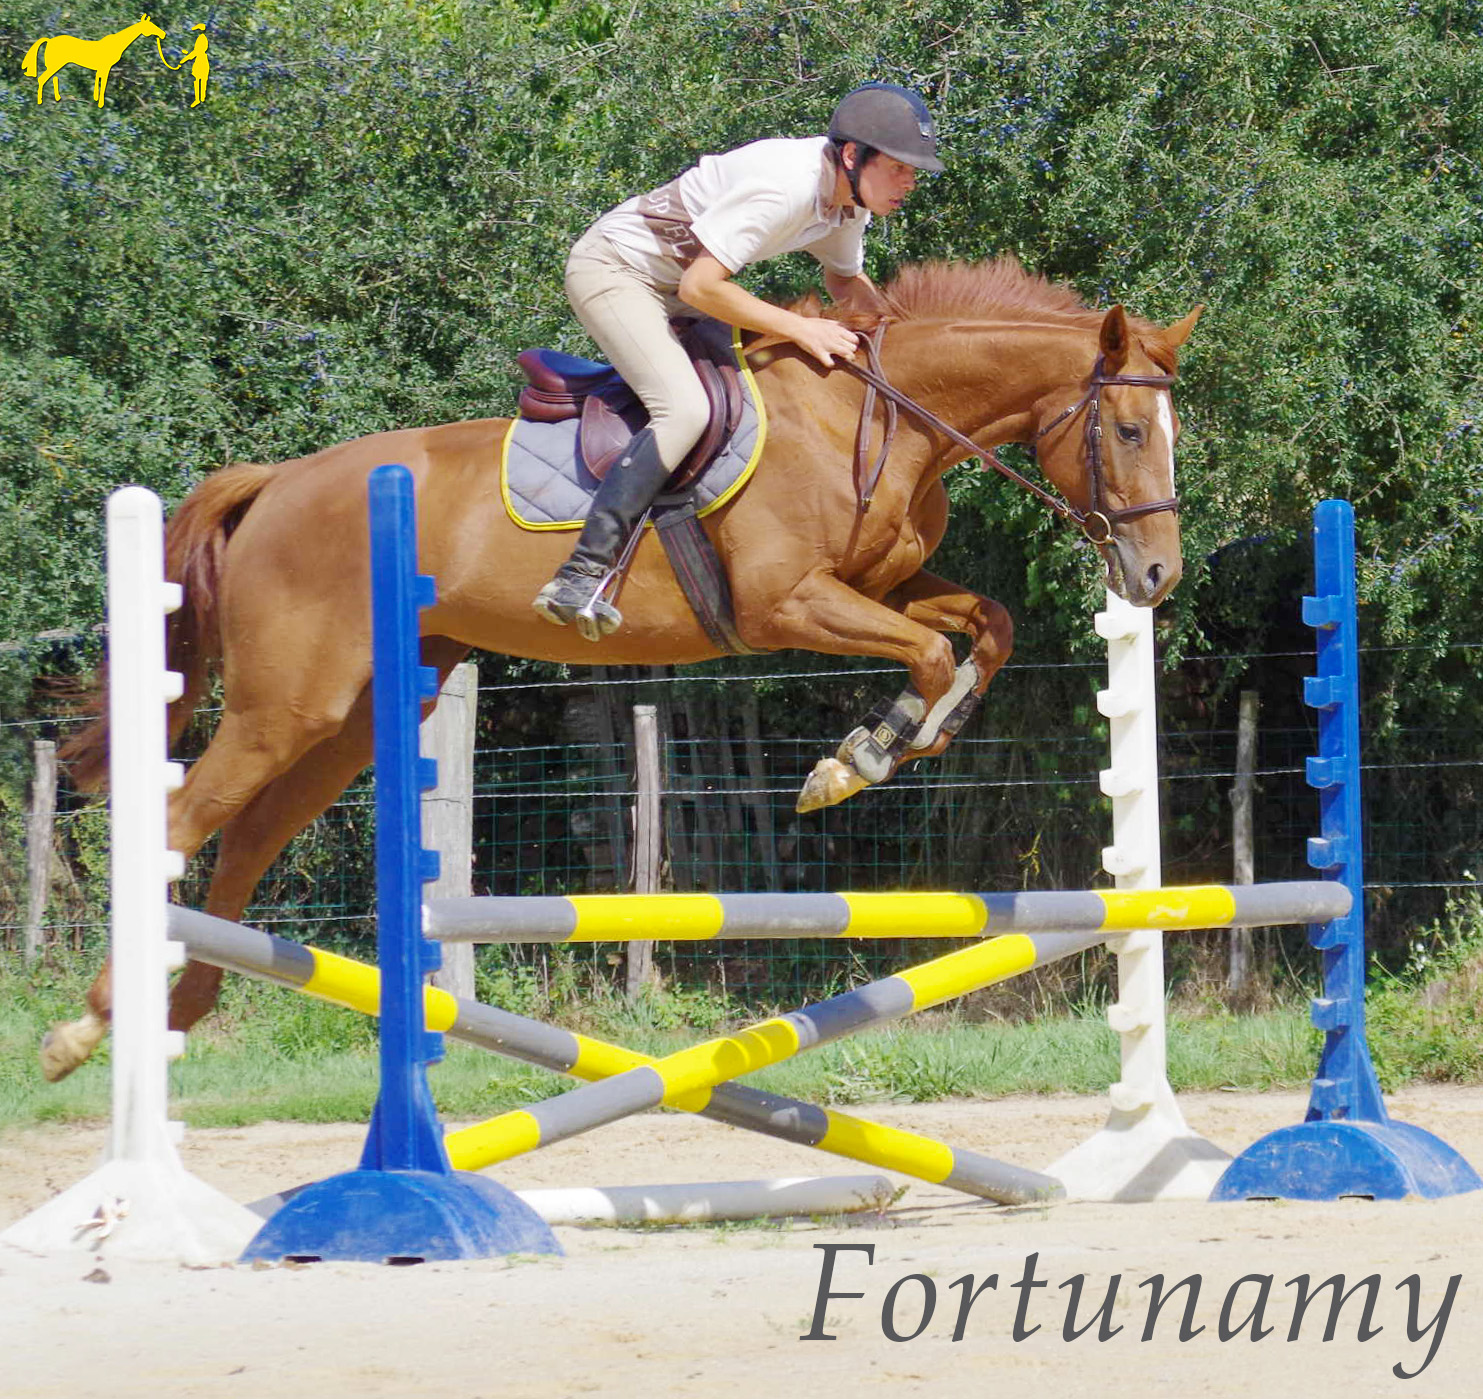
(98, 54)
(200, 64)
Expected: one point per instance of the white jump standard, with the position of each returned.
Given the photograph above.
(142, 1202)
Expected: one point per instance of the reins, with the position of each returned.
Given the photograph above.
(865, 484)
(1096, 524)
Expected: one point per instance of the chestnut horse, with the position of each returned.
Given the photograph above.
(274, 561)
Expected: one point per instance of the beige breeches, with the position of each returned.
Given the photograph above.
(629, 319)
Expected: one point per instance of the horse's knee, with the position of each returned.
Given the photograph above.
(934, 672)
(995, 640)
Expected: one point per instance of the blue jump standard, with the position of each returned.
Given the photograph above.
(1347, 1145)
(405, 1202)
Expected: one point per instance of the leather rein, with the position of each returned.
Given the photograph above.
(1097, 523)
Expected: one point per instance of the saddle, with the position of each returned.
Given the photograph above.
(561, 387)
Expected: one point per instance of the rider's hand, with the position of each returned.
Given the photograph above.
(824, 339)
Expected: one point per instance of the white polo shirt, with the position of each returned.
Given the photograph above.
(754, 203)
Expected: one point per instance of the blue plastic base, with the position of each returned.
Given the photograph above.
(401, 1216)
(1327, 1160)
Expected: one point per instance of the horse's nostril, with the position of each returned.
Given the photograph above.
(1155, 576)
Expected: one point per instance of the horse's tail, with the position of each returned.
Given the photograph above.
(195, 547)
(28, 63)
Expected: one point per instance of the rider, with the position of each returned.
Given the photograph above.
(677, 248)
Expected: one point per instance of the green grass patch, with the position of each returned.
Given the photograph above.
(269, 1055)
(1426, 1021)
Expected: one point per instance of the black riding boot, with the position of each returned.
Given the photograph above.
(626, 492)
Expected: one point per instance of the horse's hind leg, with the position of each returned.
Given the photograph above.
(251, 747)
(259, 790)
(254, 839)
(246, 754)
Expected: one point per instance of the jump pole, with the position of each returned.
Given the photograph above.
(670, 1080)
(580, 918)
(710, 1202)
(1347, 1145)
(342, 981)
(404, 1202)
(142, 1202)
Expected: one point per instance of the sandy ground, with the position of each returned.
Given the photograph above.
(719, 1312)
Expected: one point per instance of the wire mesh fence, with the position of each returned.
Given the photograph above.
(552, 814)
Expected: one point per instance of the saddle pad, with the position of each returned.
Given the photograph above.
(546, 486)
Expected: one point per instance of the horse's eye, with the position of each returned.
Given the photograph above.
(1130, 433)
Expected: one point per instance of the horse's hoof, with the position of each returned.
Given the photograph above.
(830, 783)
(64, 1047)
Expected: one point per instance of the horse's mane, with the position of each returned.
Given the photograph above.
(997, 290)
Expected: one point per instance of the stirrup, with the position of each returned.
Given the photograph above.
(567, 599)
(597, 619)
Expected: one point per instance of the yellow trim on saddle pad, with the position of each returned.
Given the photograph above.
(743, 476)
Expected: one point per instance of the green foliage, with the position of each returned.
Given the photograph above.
(1426, 1021)
(367, 219)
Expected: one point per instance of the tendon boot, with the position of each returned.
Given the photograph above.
(626, 492)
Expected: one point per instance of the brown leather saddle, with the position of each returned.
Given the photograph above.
(562, 387)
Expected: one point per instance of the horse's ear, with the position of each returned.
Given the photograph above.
(1175, 335)
(1115, 340)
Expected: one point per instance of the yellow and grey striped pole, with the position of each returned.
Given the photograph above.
(353, 984)
(680, 1080)
(703, 917)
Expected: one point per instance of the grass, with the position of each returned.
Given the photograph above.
(268, 1055)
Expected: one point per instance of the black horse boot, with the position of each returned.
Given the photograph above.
(625, 494)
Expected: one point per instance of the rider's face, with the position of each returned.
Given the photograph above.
(884, 184)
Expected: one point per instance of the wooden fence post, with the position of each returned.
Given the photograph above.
(647, 830)
(1242, 945)
(40, 843)
(448, 811)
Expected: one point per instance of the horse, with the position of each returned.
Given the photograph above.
(98, 54)
(273, 560)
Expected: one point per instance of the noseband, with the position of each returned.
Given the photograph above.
(1098, 522)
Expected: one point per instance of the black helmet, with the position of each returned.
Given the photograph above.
(891, 119)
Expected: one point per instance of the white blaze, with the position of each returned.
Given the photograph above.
(1166, 422)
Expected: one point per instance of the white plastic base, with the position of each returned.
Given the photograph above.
(139, 1209)
(1146, 1154)
(711, 1200)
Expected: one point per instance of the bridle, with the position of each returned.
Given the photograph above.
(1096, 523)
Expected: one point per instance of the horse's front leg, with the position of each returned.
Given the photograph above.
(824, 614)
(916, 724)
(948, 607)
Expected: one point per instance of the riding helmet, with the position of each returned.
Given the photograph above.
(891, 119)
